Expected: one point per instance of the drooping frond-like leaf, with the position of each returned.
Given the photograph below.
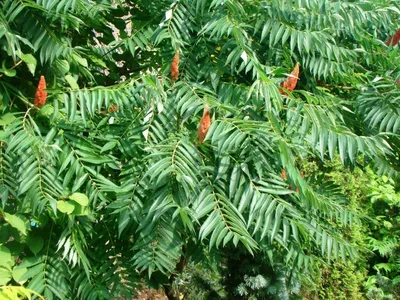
(110, 174)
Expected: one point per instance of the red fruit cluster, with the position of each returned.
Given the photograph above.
(290, 82)
(113, 108)
(175, 66)
(41, 94)
(284, 175)
(394, 40)
(204, 123)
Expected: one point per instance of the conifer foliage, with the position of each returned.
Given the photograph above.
(103, 181)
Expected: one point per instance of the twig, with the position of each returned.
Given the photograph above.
(347, 88)
(13, 67)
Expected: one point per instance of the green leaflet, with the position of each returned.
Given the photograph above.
(18, 222)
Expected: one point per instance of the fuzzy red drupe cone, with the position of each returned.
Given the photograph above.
(41, 94)
(290, 82)
(175, 66)
(393, 40)
(283, 175)
(204, 123)
(113, 108)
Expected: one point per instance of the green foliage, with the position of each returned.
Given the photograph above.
(17, 292)
(254, 278)
(201, 280)
(378, 294)
(338, 281)
(108, 184)
(377, 199)
(341, 280)
(383, 237)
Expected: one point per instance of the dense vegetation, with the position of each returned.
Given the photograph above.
(287, 190)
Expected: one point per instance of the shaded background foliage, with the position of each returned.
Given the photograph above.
(107, 184)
